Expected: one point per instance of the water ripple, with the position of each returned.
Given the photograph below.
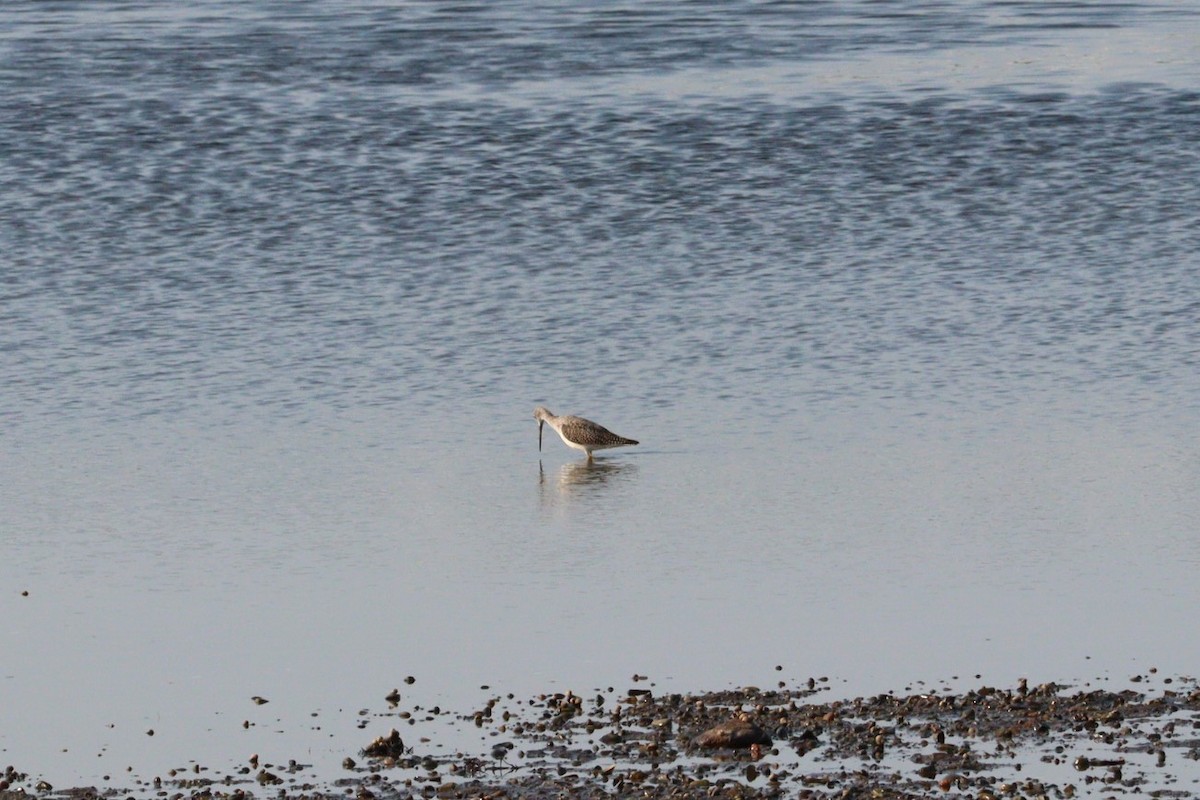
(220, 211)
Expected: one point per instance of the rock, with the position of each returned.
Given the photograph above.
(390, 746)
(736, 733)
(267, 778)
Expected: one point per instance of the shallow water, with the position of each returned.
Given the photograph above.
(902, 308)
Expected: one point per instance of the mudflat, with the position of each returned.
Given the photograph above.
(1048, 740)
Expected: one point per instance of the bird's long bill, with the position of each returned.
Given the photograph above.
(541, 424)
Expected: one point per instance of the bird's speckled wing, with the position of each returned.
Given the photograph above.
(587, 433)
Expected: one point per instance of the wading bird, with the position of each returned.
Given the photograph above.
(582, 434)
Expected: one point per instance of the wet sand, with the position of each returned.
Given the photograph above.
(1027, 741)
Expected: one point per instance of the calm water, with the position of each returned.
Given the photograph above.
(902, 301)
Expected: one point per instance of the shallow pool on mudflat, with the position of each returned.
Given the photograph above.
(318, 568)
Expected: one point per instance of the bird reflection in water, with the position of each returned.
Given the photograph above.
(578, 477)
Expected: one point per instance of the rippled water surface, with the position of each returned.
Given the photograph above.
(901, 300)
